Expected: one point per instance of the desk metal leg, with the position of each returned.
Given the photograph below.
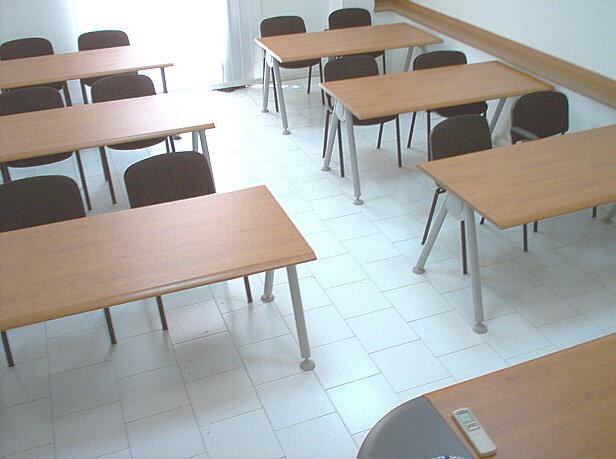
(330, 139)
(206, 153)
(268, 296)
(300, 322)
(473, 253)
(436, 228)
(281, 103)
(409, 58)
(347, 118)
(162, 77)
(499, 109)
(195, 141)
(266, 82)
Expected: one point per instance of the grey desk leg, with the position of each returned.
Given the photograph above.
(206, 153)
(281, 102)
(409, 58)
(162, 77)
(268, 296)
(300, 322)
(195, 141)
(436, 228)
(330, 138)
(499, 109)
(266, 82)
(348, 121)
(473, 253)
(609, 218)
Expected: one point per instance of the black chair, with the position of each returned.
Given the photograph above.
(353, 17)
(33, 47)
(442, 59)
(30, 100)
(344, 68)
(97, 40)
(38, 201)
(286, 25)
(125, 86)
(452, 137)
(166, 178)
(536, 116)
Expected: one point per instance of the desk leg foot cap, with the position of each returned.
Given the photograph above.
(307, 365)
(326, 168)
(480, 328)
(358, 202)
(418, 270)
(264, 110)
(286, 132)
(607, 221)
(267, 298)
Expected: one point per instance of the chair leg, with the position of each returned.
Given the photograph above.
(6, 176)
(83, 179)
(107, 173)
(161, 312)
(525, 236)
(172, 142)
(378, 142)
(398, 141)
(7, 349)
(384, 66)
(84, 93)
(431, 214)
(309, 79)
(327, 115)
(340, 155)
(535, 227)
(247, 288)
(594, 212)
(428, 128)
(463, 244)
(67, 95)
(275, 93)
(112, 336)
(408, 143)
(321, 81)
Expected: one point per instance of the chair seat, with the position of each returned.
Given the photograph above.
(139, 144)
(476, 108)
(300, 64)
(40, 161)
(91, 81)
(373, 121)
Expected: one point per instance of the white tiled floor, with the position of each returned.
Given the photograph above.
(224, 382)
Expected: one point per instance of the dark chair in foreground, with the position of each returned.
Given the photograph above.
(38, 201)
(31, 100)
(442, 59)
(344, 68)
(452, 137)
(286, 25)
(166, 178)
(117, 87)
(33, 47)
(354, 17)
(99, 39)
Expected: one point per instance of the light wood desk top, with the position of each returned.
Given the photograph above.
(28, 135)
(558, 406)
(535, 180)
(396, 93)
(65, 268)
(16, 73)
(342, 42)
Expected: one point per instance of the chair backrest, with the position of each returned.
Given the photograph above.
(168, 177)
(349, 17)
(543, 114)
(282, 25)
(344, 68)
(438, 59)
(102, 39)
(124, 86)
(37, 201)
(460, 135)
(25, 47)
(31, 99)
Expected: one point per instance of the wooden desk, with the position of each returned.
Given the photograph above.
(75, 266)
(386, 95)
(340, 42)
(558, 406)
(523, 183)
(17, 73)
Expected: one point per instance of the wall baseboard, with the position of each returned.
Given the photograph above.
(563, 73)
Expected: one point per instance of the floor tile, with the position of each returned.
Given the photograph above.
(565, 280)
(357, 298)
(508, 277)
(351, 226)
(570, 332)
(207, 356)
(334, 442)
(324, 325)
(141, 353)
(342, 362)
(325, 245)
(27, 343)
(187, 297)
(334, 271)
(381, 329)
(222, 396)
(426, 388)
(294, 399)
(194, 321)
(44, 452)
(247, 436)
(169, 435)
(368, 249)
(313, 296)
(135, 318)
(417, 301)
(598, 306)
(540, 306)
(255, 323)
(472, 362)
(75, 323)
(391, 273)
(362, 403)
(25, 382)
(400, 228)
(83, 388)
(77, 350)
(97, 430)
(308, 223)
(152, 392)
(336, 206)
(272, 359)
(25, 426)
(511, 335)
(493, 304)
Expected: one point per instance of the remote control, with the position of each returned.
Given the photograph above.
(474, 432)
